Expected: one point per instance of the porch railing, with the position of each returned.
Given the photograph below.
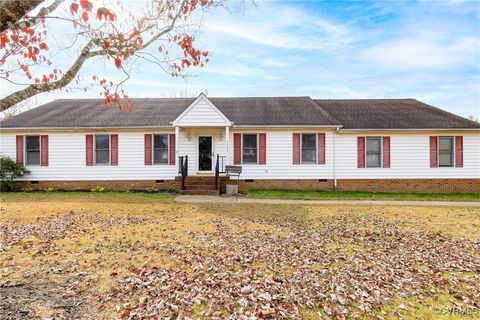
(219, 168)
(183, 168)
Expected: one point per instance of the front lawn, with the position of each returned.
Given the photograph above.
(99, 256)
(357, 195)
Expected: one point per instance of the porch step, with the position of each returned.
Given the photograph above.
(199, 187)
(190, 181)
(201, 192)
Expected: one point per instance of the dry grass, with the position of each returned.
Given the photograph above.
(109, 234)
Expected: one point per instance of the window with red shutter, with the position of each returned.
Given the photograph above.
(114, 149)
(171, 146)
(433, 152)
(148, 149)
(262, 148)
(321, 148)
(237, 148)
(361, 152)
(386, 152)
(459, 151)
(89, 149)
(44, 150)
(19, 142)
(296, 148)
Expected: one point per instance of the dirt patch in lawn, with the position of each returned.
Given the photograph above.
(159, 258)
(42, 300)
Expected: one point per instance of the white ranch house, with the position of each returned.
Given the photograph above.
(279, 142)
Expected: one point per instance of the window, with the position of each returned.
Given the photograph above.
(309, 148)
(102, 149)
(249, 148)
(160, 148)
(374, 150)
(445, 151)
(32, 150)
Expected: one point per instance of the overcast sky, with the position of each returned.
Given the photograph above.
(427, 50)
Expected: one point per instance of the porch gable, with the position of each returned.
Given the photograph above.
(201, 113)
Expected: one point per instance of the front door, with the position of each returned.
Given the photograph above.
(205, 153)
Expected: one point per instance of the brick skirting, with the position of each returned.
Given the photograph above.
(411, 185)
(121, 185)
(289, 184)
(372, 185)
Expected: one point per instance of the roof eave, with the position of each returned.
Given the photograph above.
(353, 130)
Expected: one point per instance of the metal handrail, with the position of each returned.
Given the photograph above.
(219, 168)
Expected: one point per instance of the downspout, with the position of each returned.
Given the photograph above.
(335, 158)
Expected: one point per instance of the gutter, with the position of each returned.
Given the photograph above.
(408, 129)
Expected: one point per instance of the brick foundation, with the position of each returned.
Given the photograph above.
(289, 184)
(372, 185)
(121, 185)
(411, 185)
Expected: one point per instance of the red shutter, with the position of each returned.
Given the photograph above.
(262, 143)
(361, 152)
(114, 149)
(459, 152)
(386, 152)
(44, 150)
(237, 148)
(20, 150)
(433, 152)
(148, 149)
(171, 146)
(321, 148)
(296, 148)
(89, 151)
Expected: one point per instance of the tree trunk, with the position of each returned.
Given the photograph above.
(35, 89)
(11, 11)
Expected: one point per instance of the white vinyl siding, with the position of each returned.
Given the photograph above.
(202, 114)
(279, 152)
(67, 159)
(410, 157)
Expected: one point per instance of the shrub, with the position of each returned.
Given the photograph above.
(9, 171)
(98, 189)
(50, 189)
(151, 190)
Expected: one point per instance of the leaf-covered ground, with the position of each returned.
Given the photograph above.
(146, 257)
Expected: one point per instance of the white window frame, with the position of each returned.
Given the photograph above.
(258, 148)
(453, 152)
(109, 149)
(168, 148)
(301, 148)
(39, 149)
(381, 151)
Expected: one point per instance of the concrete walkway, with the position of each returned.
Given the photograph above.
(216, 199)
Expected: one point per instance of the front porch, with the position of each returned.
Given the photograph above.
(202, 154)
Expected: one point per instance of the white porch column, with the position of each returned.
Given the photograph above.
(227, 142)
(177, 146)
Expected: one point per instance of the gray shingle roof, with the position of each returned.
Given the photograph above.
(82, 113)
(392, 114)
(152, 112)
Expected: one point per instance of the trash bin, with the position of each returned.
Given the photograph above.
(231, 189)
